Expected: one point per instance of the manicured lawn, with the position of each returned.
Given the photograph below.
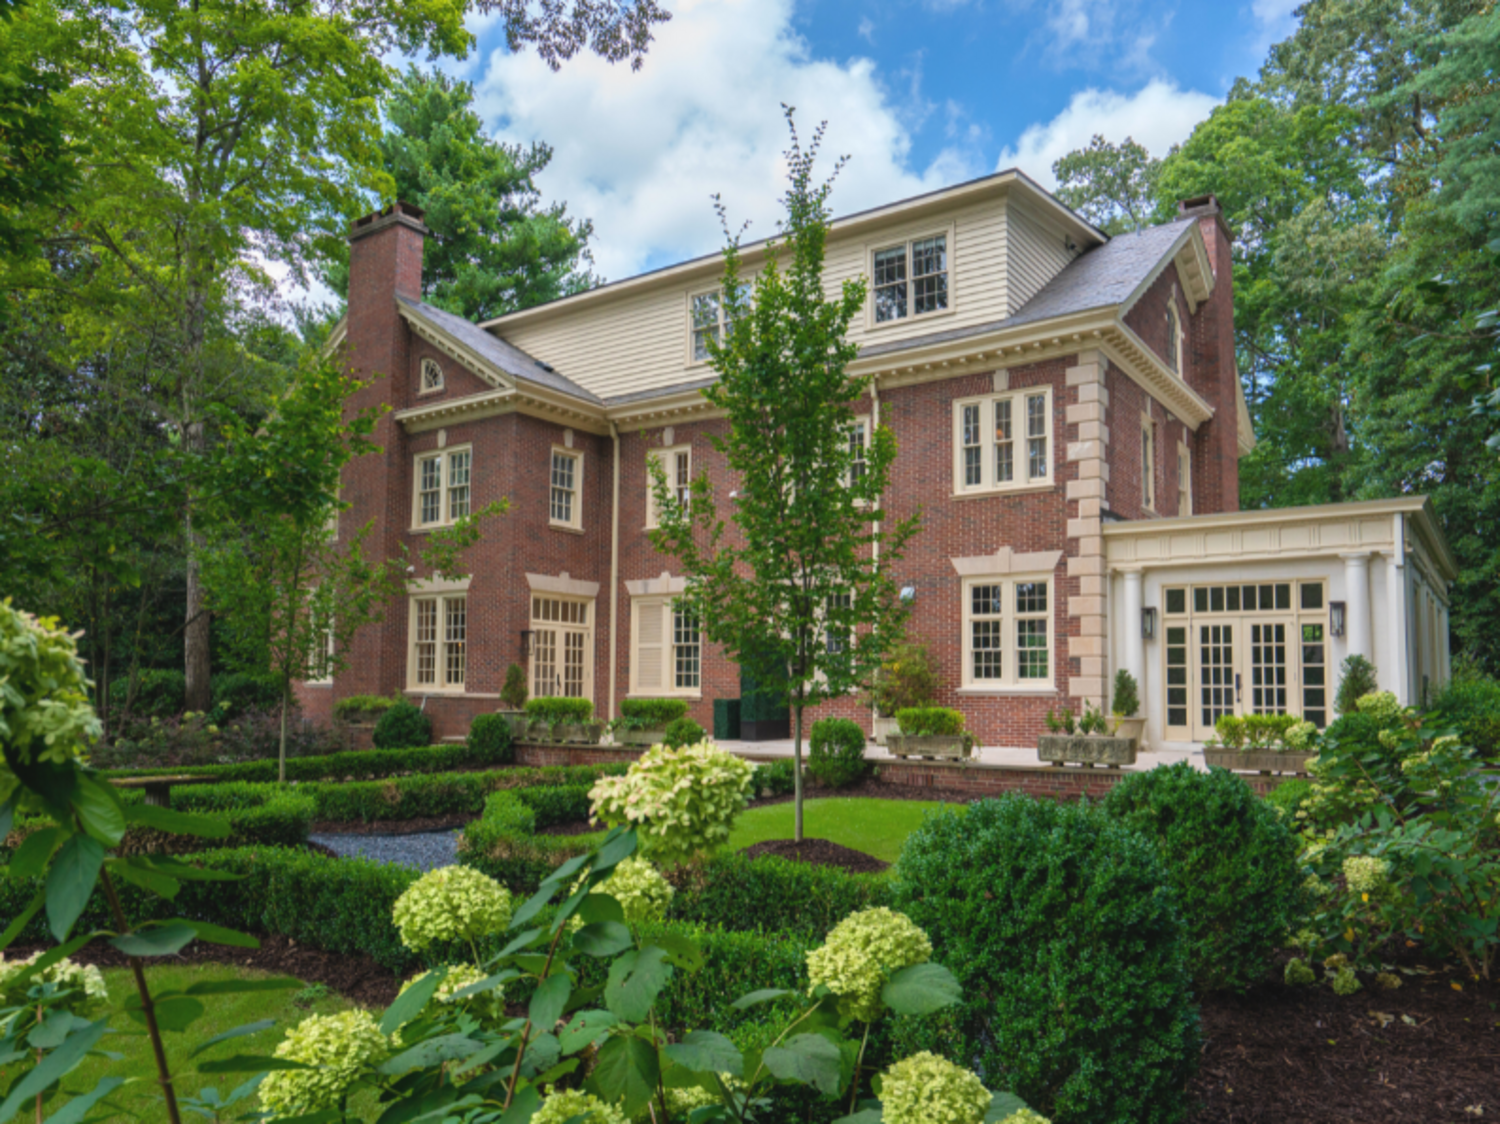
(223, 1012)
(876, 827)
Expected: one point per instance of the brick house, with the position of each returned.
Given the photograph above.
(1068, 414)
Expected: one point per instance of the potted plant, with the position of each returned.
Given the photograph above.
(563, 720)
(1126, 706)
(906, 679)
(931, 731)
(1261, 743)
(513, 696)
(1083, 741)
(644, 721)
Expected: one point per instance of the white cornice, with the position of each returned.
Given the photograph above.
(455, 350)
(489, 404)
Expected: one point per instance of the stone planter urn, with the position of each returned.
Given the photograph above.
(883, 729)
(520, 724)
(649, 735)
(1132, 728)
(583, 733)
(940, 746)
(1085, 749)
(1263, 761)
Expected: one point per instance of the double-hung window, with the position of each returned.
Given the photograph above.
(442, 487)
(666, 648)
(565, 500)
(911, 279)
(1007, 640)
(438, 656)
(708, 321)
(859, 446)
(677, 463)
(1002, 441)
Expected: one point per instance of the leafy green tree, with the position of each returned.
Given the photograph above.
(495, 248)
(1113, 186)
(798, 582)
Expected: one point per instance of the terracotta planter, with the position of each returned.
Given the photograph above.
(883, 729)
(928, 745)
(1085, 749)
(1132, 728)
(1263, 761)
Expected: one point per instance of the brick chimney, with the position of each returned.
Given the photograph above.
(385, 262)
(1216, 464)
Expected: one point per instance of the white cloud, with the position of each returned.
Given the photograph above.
(642, 152)
(1158, 115)
(867, 30)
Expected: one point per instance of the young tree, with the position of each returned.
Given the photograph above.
(798, 582)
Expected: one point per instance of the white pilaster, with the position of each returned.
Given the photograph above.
(1132, 644)
(1357, 593)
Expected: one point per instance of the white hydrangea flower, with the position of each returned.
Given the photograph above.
(561, 1106)
(681, 802)
(452, 903)
(927, 1089)
(1381, 706)
(644, 895)
(485, 1005)
(342, 1046)
(84, 981)
(1365, 874)
(1345, 982)
(1300, 737)
(860, 954)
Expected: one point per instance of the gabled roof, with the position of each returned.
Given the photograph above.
(495, 352)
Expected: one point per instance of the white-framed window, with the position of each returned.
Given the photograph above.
(859, 448)
(431, 376)
(1184, 480)
(438, 631)
(677, 462)
(1007, 641)
(910, 278)
(565, 489)
(835, 633)
(441, 487)
(1174, 336)
(707, 320)
(322, 668)
(562, 646)
(1002, 441)
(1148, 463)
(666, 649)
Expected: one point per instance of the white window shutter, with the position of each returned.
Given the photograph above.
(647, 618)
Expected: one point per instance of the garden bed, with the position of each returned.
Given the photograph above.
(819, 852)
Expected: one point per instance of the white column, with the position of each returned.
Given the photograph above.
(1357, 596)
(1133, 647)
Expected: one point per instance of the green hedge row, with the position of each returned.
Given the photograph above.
(770, 895)
(366, 764)
(503, 842)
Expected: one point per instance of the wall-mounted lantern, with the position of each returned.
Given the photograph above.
(1336, 615)
(1148, 623)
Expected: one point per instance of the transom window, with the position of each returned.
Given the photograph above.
(562, 647)
(565, 505)
(439, 640)
(1007, 633)
(678, 465)
(911, 279)
(666, 649)
(442, 489)
(1002, 441)
(709, 322)
(432, 376)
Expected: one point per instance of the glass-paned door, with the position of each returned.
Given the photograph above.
(1216, 676)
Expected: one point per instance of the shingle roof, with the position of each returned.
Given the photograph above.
(497, 351)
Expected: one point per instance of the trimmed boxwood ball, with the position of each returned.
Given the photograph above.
(1065, 933)
(1231, 858)
(489, 739)
(403, 726)
(681, 732)
(836, 753)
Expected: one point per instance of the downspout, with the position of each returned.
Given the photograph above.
(614, 568)
(875, 546)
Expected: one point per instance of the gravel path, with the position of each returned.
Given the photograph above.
(425, 851)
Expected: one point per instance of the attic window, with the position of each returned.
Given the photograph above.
(432, 376)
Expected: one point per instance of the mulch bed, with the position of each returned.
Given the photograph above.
(819, 852)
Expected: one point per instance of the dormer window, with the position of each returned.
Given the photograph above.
(1174, 339)
(432, 376)
(910, 279)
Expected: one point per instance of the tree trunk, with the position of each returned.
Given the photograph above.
(286, 692)
(797, 776)
(195, 636)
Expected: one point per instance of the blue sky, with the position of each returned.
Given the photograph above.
(919, 93)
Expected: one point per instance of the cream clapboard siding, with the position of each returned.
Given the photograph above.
(1038, 252)
(639, 343)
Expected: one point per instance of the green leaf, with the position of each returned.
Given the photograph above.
(525, 1105)
(863, 1116)
(806, 1058)
(78, 1108)
(565, 872)
(189, 873)
(681, 951)
(921, 989)
(521, 941)
(177, 823)
(13, 930)
(99, 810)
(249, 1063)
(70, 882)
(161, 940)
(626, 1070)
(236, 987)
(635, 980)
(706, 1051)
(238, 1032)
(548, 1002)
(532, 906)
(175, 1012)
(615, 850)
(599, 908)
(218, 934)
(7, 816)
(55, 1026)
(489, 983)
(52, 1068)
(432, 1052)
(601, 939)
(763, 995)
(139, 871)
(411, 1002)
(30, 858)
(542, 1053)
(586, 1028)
(1002, 1106)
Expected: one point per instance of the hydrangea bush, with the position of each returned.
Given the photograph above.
(859, 956)
(454, 903)
(340, 1048)
(682, 803)
(644, 895)
(927, 1089)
